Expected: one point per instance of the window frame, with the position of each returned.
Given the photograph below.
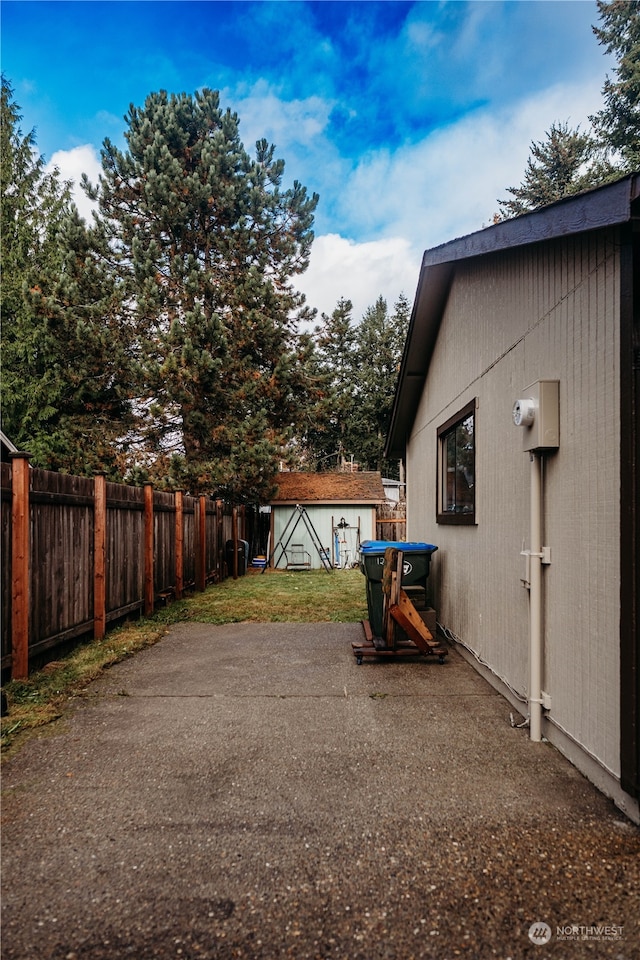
(445, 430)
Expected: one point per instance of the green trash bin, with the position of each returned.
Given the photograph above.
(415, 571)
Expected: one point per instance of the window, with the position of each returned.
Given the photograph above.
(457, 468)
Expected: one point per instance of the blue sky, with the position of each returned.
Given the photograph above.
(409, 119)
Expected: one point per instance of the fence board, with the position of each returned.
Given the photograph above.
(124, 550)
(61, 569)
(212, 556)
(391, 521)
(189, 545)
(164, 539)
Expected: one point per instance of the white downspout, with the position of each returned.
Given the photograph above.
(535, 600)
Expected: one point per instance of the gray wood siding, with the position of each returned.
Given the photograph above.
(547, 312)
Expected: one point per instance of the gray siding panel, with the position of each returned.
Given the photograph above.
(547, 312)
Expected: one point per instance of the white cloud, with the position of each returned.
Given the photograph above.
(449, 183)
(360, 272)
(379, 215)
(72, 164)
(263, 113)
(428, 193)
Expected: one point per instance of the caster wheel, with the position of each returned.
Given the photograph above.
(441, 659)
(359, 661)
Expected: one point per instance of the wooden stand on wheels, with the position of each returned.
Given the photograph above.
(399, 616)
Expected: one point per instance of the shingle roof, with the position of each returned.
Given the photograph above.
(329, 488)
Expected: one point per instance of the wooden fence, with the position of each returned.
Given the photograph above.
(79, 553)
(391, 523)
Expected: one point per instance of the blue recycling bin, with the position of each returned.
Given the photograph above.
(415, 571)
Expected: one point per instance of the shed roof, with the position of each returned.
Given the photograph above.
(294, 488)
(610, 205)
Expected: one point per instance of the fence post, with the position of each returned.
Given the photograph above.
(99, 556)
(219, 539)
(20, 550)
(179, 505)
(234, 537)
(201, 544)
(148, 550)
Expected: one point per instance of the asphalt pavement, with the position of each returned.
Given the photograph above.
(248, 791)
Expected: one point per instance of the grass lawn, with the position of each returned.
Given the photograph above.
(277, 597)
(273, 597)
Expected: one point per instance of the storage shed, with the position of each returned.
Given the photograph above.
(323, 512)
(517, 413)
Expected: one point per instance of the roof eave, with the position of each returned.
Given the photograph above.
(328, 503)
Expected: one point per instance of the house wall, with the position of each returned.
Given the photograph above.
(322, 518)
(550, 311)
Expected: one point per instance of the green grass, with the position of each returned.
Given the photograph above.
(273, 597)
(277, 597)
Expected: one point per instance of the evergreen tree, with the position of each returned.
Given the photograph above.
(559, 166)
(60, 365)
(85, 357)
(21, 182)
(617, 125)
(381, 340)
(570, 161)
(356, 367)
(31, 204)
(328, 436)
(206, 243)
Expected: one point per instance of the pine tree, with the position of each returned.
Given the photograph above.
(328, 440)
(380, 344)
(207, 242)
(617, 125)
(557, 167)
(61, 366)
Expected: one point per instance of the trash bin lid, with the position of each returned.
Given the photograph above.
(379, 546)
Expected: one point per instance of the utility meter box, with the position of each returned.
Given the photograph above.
(538, 413)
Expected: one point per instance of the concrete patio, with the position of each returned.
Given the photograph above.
(248, 791)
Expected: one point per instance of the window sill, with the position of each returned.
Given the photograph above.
(458, 519)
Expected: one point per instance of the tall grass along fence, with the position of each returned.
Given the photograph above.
(80, 553)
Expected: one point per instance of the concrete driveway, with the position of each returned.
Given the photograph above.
(248, 791)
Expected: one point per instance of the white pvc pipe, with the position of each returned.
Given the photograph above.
(535, 601)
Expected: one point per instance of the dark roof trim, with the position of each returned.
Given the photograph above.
(430, 300)
(602, 207)
(336, 502)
